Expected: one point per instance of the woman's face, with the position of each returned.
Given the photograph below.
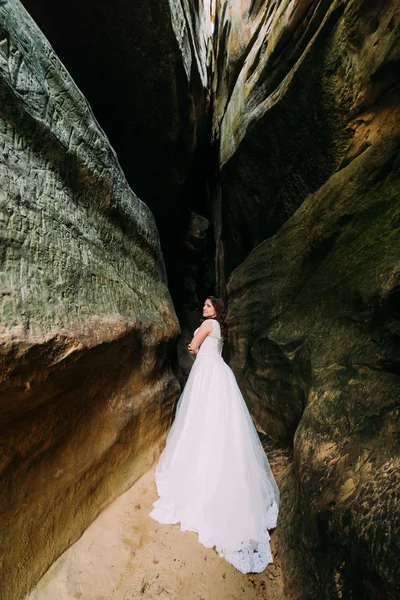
(208, 309)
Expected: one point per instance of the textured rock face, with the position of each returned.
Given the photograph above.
(306, 222)
(315, 324)
(314, 309)
(87, 323)
(308, 84)
(142, 66)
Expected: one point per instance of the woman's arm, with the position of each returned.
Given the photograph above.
(204, 330)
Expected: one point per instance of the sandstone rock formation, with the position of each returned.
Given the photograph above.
(310, 205)
(143, 67)
(315, 325)
(310, 79)
(304, 169)
(87, 325)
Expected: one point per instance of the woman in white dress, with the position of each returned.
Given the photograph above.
(213, 476)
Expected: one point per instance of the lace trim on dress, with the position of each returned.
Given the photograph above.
(252, 556)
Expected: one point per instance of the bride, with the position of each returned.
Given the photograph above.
(213, 476)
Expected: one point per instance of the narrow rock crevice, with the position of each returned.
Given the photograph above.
(264, 138)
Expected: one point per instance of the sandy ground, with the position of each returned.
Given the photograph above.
(126, 555)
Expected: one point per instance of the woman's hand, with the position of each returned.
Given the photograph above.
(190, 349)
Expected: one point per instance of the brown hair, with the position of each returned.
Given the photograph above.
(220, 310)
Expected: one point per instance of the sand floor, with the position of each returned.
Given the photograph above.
(126, 555)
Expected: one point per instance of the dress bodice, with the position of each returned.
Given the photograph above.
(213, 343)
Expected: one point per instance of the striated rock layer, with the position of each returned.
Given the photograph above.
(306, 217)
(143, 67)
(309, 221)
(313, 81)
(315, 326)
(87, 325)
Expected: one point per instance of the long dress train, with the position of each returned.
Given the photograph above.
(213, 475)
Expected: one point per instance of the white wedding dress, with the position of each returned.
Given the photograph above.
(213, 476)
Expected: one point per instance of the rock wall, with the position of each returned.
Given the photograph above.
(304, 171)
(310, 78)
(309, 222)
(143, 67)
(314, 326)
(87, 324)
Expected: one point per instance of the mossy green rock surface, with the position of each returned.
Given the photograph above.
(142, 66)
(311, 87)
(314, 335)
(310, 237)
(87, 324)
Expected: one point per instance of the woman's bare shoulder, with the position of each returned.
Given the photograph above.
(206, 325)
